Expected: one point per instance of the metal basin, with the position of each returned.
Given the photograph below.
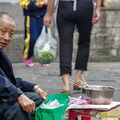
(100, 95)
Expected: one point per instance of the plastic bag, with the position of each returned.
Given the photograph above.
(55, 113)
(45, 47)
(51, 105)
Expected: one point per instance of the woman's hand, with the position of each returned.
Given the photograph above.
(96, 16)
(47, 19)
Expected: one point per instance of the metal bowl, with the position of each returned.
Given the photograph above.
(100, 95)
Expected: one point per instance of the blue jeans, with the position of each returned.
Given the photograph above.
(13, 111)
(67, 19)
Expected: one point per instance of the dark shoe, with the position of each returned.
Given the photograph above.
(79, 85)
(66, 91)
(76, 86)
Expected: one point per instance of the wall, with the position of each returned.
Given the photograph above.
(105, 39)
(10, 1)
(105, 44)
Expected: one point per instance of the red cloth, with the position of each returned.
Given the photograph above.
(73, 114)
(85, 118)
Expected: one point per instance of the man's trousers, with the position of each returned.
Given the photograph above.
(13, 111)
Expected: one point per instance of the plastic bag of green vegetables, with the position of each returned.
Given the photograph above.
(45, 47)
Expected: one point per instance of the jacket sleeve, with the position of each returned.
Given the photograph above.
(28, 5)
(10, 91)
(8, 83)
(24, 85)
(7, 89)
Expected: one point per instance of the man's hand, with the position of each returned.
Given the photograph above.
(47, 19)
(27, 104)
(96, 16)
(42, 93)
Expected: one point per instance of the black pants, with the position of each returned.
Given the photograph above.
(10, 111)
(66, 21)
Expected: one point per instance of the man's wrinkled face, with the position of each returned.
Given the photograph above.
(7, 27)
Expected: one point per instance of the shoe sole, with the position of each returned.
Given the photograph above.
(76, 88)
(29, 66)
(65, 91)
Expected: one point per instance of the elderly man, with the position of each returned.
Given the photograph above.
(18, 98)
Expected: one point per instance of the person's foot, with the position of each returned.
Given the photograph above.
(28, 62)
(65, 91)
(76, 86)
(79, 85)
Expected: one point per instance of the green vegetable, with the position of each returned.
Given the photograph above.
(45, 57)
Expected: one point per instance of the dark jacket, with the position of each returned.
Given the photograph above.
(9, 85)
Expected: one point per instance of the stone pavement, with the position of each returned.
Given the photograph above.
(48, 77)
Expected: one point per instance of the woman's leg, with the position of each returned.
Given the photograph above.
(65, 56)
(84, 25)
(78, 75)
(65, 78)
(65, 23)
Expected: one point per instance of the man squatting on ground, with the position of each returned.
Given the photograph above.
(18, 98)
